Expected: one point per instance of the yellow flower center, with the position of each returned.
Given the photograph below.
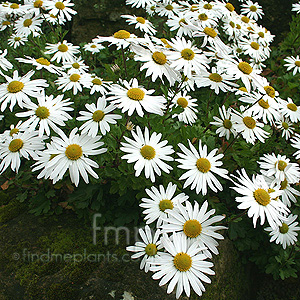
(203, 165)
(249, 122)
(182, 21)
(239, 50)
(98, 115)
(281, 165)
(227, 124)
(262, 197)
(59, 5)
(53, 16)
(27, 22)
(151, 249)
(215, 77)
(232, 24)
(285, 125)
(243, 89)
(253, 8)
(238, 26)
(245, 67)
(5, 23)
(254, 45)
(76, 65)
(207, 6)
(210, 32)
(74, 77)
(261, 34)
(73, 152)
(43, 61)
(122, 34)
(270, 91)
(181, 101)
(38, 3)
(63, 48)
(159, 58)
(283, 184)
(187, 54)
(17, 38)
(284, 228)
(15, 145)
(14, 6)
(297, 63)
(229, 6)
(194, 7)
(141, 20)
(148, 152)
(165, 204)
(42, 112)
(97, 81)
(292, 106)
(169, 7)
(167, 45)
(264, 104)
(136, 94)
(15, 86)
(93, 46)
(245, 19)
(203, 17)
(13, 131)
(192, 228)
(182, 262)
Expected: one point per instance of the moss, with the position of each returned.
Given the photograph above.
(4, 199)
(61, 291)
(11, 210)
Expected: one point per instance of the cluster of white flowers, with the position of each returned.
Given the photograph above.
(212, 48)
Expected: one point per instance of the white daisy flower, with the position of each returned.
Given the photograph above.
(140, 23)
(288, 193)
(133, 97)
(182, 265)
(71, 153)
(247, 124)
(188, 115)
(4, 63)
(286, 127)
(148, 248)
(140, 3)
(296, 144)
(98, 117)
(289, 109)
(253, 49)
(13, 9)
(28, 24)
(258, 200)
(97, 84)
(48, 111)
(14, 147)
(148, 153)
(4, 23)
(280, 167)
(74, 81)
(18, 89)
(296, 7)
(201, 168)
(40, 63)
(186, 58)
(121, 38)
(160, 201)
(155, 62)
(64, 51)
(286, 233)
(61, 9)
(224, 123)
(252, 10)
(293, 63)
(167, 8)
(180, 23)
(34, 6)
(93, 47)
(196, 224)
(77, 66)
(16, 40)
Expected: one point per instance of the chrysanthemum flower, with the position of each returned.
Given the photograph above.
(196, 224)
(49, 111)
(286, 233)
(98, 117)
(140, 3)
(293, 63)
(28, 24)
(4, 63)
(18, 89)
(140, 23)
(252, 10)
(60, 8)
(77, 65)
(296, 144)
(280, 167)
(288, 193)
(167, 8)
(148, 153)
(133, 97)
(149, 247)
(64, 51)
(286, 127)
(259, 200)
(182, 265)
(160, 201)
(71, 153)
(180, 23)
(289, 109)
(40, 63)
(14, 147)
(97, 84)
(93, 47)
(201, 168)
(16, 40)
